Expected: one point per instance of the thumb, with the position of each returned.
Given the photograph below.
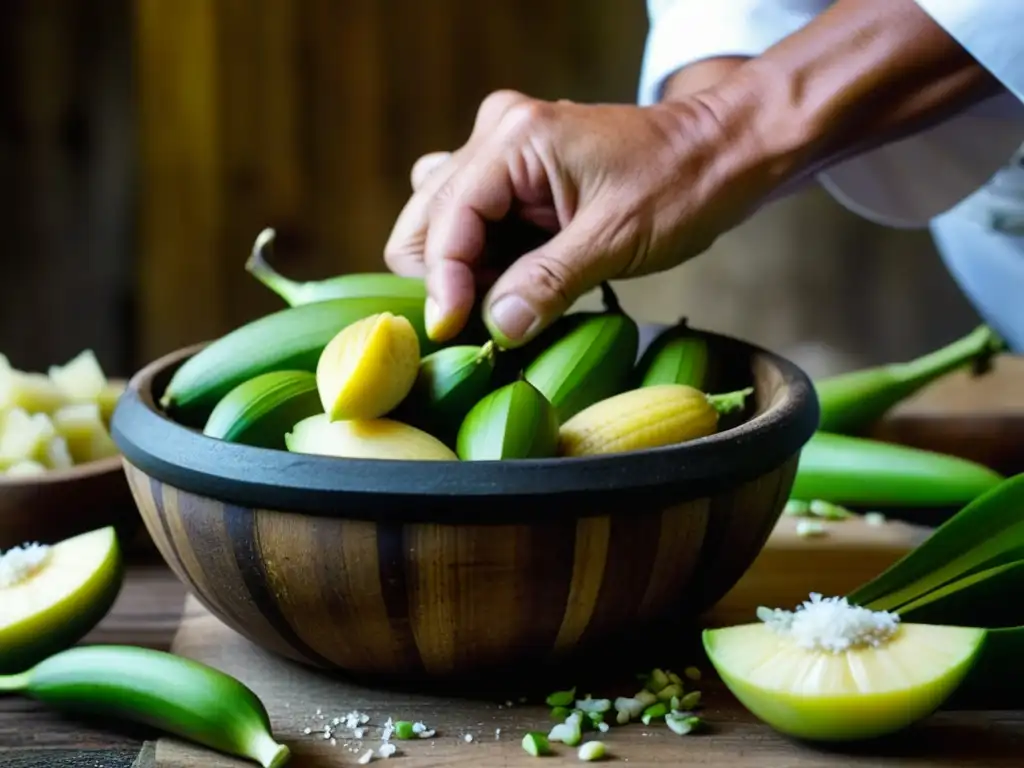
(540, 286)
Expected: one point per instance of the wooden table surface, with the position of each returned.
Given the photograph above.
(149, 609)
(981, 420)
(146, 613)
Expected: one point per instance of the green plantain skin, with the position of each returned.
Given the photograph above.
(513, 422)
(676, 356)
(260, 411)
(174, 694)
(449, 383)
(855, 471)
(592, 362)
(290, 339)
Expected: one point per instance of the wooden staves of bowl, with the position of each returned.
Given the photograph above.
(435, 569)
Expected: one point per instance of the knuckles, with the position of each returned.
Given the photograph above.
(511, 112)
(527, 116)
(494, 106)
(551, 277)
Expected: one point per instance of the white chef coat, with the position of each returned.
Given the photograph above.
(906, 183)
(963, 178)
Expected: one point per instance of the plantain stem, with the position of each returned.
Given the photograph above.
(609, 299)
(13, 683)
(978, 346)
(268, 753)
(487, 351)
(730, 401)
(258, 266)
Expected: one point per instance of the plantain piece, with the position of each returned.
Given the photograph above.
(24, 437)
(108, 399)
(858, 472)
(381, 285)
(851, 402)
(591, 362)
(513, 422)
(24, 468)
(676, 356)
(290, 339)
(449, 382)
(84, 431)
(260, 411)
(650, 417)
(81, 379)
(369, 439)
(177, 695)
(368, 368)
(30, 392)
(52, 595)
(511, 364)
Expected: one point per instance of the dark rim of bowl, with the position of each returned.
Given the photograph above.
(379, 489)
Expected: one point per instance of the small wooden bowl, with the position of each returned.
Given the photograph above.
(435, 569)
(60, 504)
(64, 503)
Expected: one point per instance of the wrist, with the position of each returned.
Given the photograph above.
(862, 73)
(750, 147)
(697, 76)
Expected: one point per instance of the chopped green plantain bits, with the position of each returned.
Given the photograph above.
(560, 713)
(657, 680)
(653, 712)
(688, 702)
(589, 705)
(592, 750)
(670, 692)
(829, 511)
(404, 730)
(536, 744)
(561, 698)
(682, 724)
(569, 732)
(796, 508)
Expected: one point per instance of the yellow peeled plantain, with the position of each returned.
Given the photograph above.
(366, 439)
(368, 368)
(648, 417)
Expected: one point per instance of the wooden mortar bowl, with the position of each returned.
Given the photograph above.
(409, 570)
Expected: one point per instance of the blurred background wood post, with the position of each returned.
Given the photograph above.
(144, 143)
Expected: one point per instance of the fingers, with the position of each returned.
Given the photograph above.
(471, 197)
(403, 252)
(425, 166)
(542, 285)
(440, 233)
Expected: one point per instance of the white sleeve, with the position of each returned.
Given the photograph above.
(905, 183)
(685, 31)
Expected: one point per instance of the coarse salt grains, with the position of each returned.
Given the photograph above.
(831, 624)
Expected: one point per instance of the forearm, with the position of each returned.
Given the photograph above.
(861, 74)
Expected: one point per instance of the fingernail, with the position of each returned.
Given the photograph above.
(513, 317)
(432, 317)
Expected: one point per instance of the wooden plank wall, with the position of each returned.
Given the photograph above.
(66, 182)
(144, 143)
(308, 114)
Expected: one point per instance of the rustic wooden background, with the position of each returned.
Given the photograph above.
(144, 143)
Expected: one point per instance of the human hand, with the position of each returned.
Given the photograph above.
(624, 190)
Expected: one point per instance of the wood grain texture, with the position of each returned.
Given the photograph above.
(66, 503)
(147, 613)
(299, 698)
(432, 600)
